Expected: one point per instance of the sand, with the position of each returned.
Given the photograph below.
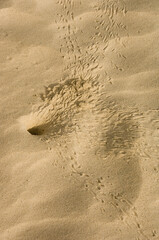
(79, 115)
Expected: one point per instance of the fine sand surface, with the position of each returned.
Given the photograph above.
(79, 111)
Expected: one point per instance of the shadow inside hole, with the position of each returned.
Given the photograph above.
(35, 131)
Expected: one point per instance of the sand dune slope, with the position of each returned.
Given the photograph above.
(79, 115)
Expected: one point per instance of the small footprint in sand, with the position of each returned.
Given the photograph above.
(103, 135)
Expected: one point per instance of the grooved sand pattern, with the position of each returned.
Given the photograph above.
(79, 120)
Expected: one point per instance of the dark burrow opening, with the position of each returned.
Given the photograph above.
(35, 131)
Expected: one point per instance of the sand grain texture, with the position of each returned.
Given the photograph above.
(79, 115)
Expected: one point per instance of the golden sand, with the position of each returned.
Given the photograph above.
(79, 120)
